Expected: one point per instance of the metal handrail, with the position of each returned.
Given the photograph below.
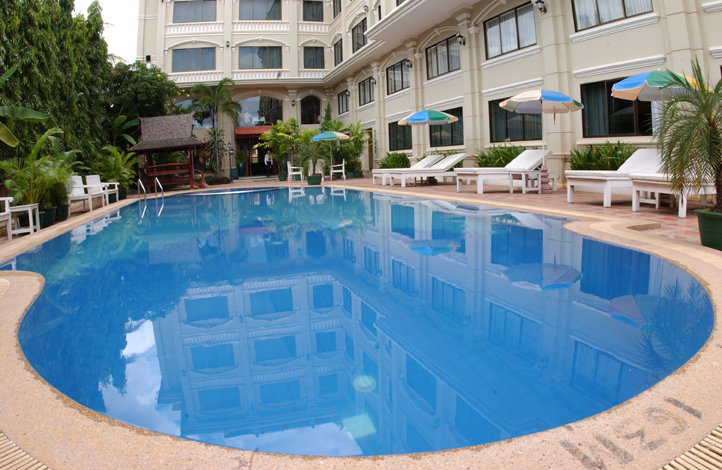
(157, 183)
(140, 185)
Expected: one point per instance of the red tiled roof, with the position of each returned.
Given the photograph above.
(252, 131)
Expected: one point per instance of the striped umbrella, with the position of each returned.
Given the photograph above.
(429, 116)
(541, 102)
(330, 135)
(649, 86)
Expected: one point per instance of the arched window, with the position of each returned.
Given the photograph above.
(202, 118)
(310, 110)
(260, 111)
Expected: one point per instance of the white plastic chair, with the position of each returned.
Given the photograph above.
(78, 193)
(5, 214)
(294, 170)
(340, 168)
(98, 186)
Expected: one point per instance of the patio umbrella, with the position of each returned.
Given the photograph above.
(428, 116)
(648, 86)
(548, 276)
(330, 135)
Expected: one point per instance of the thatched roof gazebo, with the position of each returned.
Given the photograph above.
(167, 134)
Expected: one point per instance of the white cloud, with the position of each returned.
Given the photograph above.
(121, 25)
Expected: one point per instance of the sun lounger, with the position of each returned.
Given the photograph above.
(642, 161)
(384, 172)
(526, 165)
(437, 170)
(658, 183)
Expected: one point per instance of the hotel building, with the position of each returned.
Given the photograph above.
(376, 61)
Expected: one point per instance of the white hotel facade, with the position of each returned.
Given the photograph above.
(377, 61)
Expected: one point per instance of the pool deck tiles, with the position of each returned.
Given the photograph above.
(647, 432)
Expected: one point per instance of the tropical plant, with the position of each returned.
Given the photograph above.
(30, 179)
(395, 160)
(215, 145)
(607, 157)
(282, 139)
(690, 134)
(16, 113)
(355, 145)
(142, 91)
(66, 165)
(121, 127)
(218, 99)
(117, 166)
(310, 152)
(327, 123)
(498, 156)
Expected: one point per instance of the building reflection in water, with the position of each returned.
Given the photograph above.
(363, 323)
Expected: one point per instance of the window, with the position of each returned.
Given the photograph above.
(274, 349)
(404, 277)
(612, 271)
(421, 381)
(280, 392)
(343, 101)
(372, 261)
(336, 8)
(313, 57)
(257, 111)
(598, 374)
(310, 110)
(402, 220)
(510, 31)
(358, 36)
(347, 302)
(397, 77)
(212, 357)
(399, 2)
(515, 244)
(312, 10)
(368, 318)
(271, 301)
(442, 57)
(219, 399)
(348, 250)
(399, 137)
(327, 384)
(206, 308)
(448, 300)
(323, 296)
(325, 342)
(590, 13)
(448, 134)
(513, 332)
(348, 346)
(366, 91)
(379, 11)
(605, 116)
(260, 9)
(187, 12)
(254, 57)
(338, 52)
(187, 60)
(507, 125)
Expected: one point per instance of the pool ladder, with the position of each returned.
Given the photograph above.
(156, 183)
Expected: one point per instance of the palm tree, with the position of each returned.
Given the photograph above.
(690, 134)
(282, 139)
(217, 100)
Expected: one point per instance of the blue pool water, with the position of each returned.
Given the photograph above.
(351, 323)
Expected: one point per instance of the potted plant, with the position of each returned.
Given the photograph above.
(690, 144)
(66, 165)
(354, 147)
(117, 166)
(240, 164)
(310, 153)
(30, 179)
(282, 139)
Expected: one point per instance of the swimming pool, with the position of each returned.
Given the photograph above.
(351, 323)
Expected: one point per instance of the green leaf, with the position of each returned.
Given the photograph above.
(7, 137)
(22, 114)
(8, 74)
(119, 120)
(129, 139)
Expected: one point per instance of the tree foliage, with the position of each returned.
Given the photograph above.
(142, 91)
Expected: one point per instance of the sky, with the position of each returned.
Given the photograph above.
(121, 25)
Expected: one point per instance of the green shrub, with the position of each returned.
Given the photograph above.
(498, 156)
(608, 157)
(213, 180)
(395, 160)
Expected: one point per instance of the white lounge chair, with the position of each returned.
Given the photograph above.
(526, 165)
(97, 186)
(340, 169)
(437, 170)
(78, 192)
(658, 183)
(641, 161)
(384, 172)
(5, 214)
(294, 170)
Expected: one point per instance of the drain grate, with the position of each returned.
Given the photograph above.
(707, 455)
(13, 457)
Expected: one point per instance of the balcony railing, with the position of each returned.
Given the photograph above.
(260, 26)
(193, 28)
(258, 74)
(313, 27)
(312, 73)
(202, 76)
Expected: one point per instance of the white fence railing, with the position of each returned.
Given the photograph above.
(260, 74)
(252, 26)
(196, 77)
(193, 28)
(312, 73)
(313, 28)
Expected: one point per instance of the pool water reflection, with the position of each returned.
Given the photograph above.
(336, 322)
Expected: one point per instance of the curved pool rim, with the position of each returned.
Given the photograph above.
(679, 398)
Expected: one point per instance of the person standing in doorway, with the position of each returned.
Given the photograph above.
(268, 160)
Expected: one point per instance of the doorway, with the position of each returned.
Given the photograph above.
(252, 157)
